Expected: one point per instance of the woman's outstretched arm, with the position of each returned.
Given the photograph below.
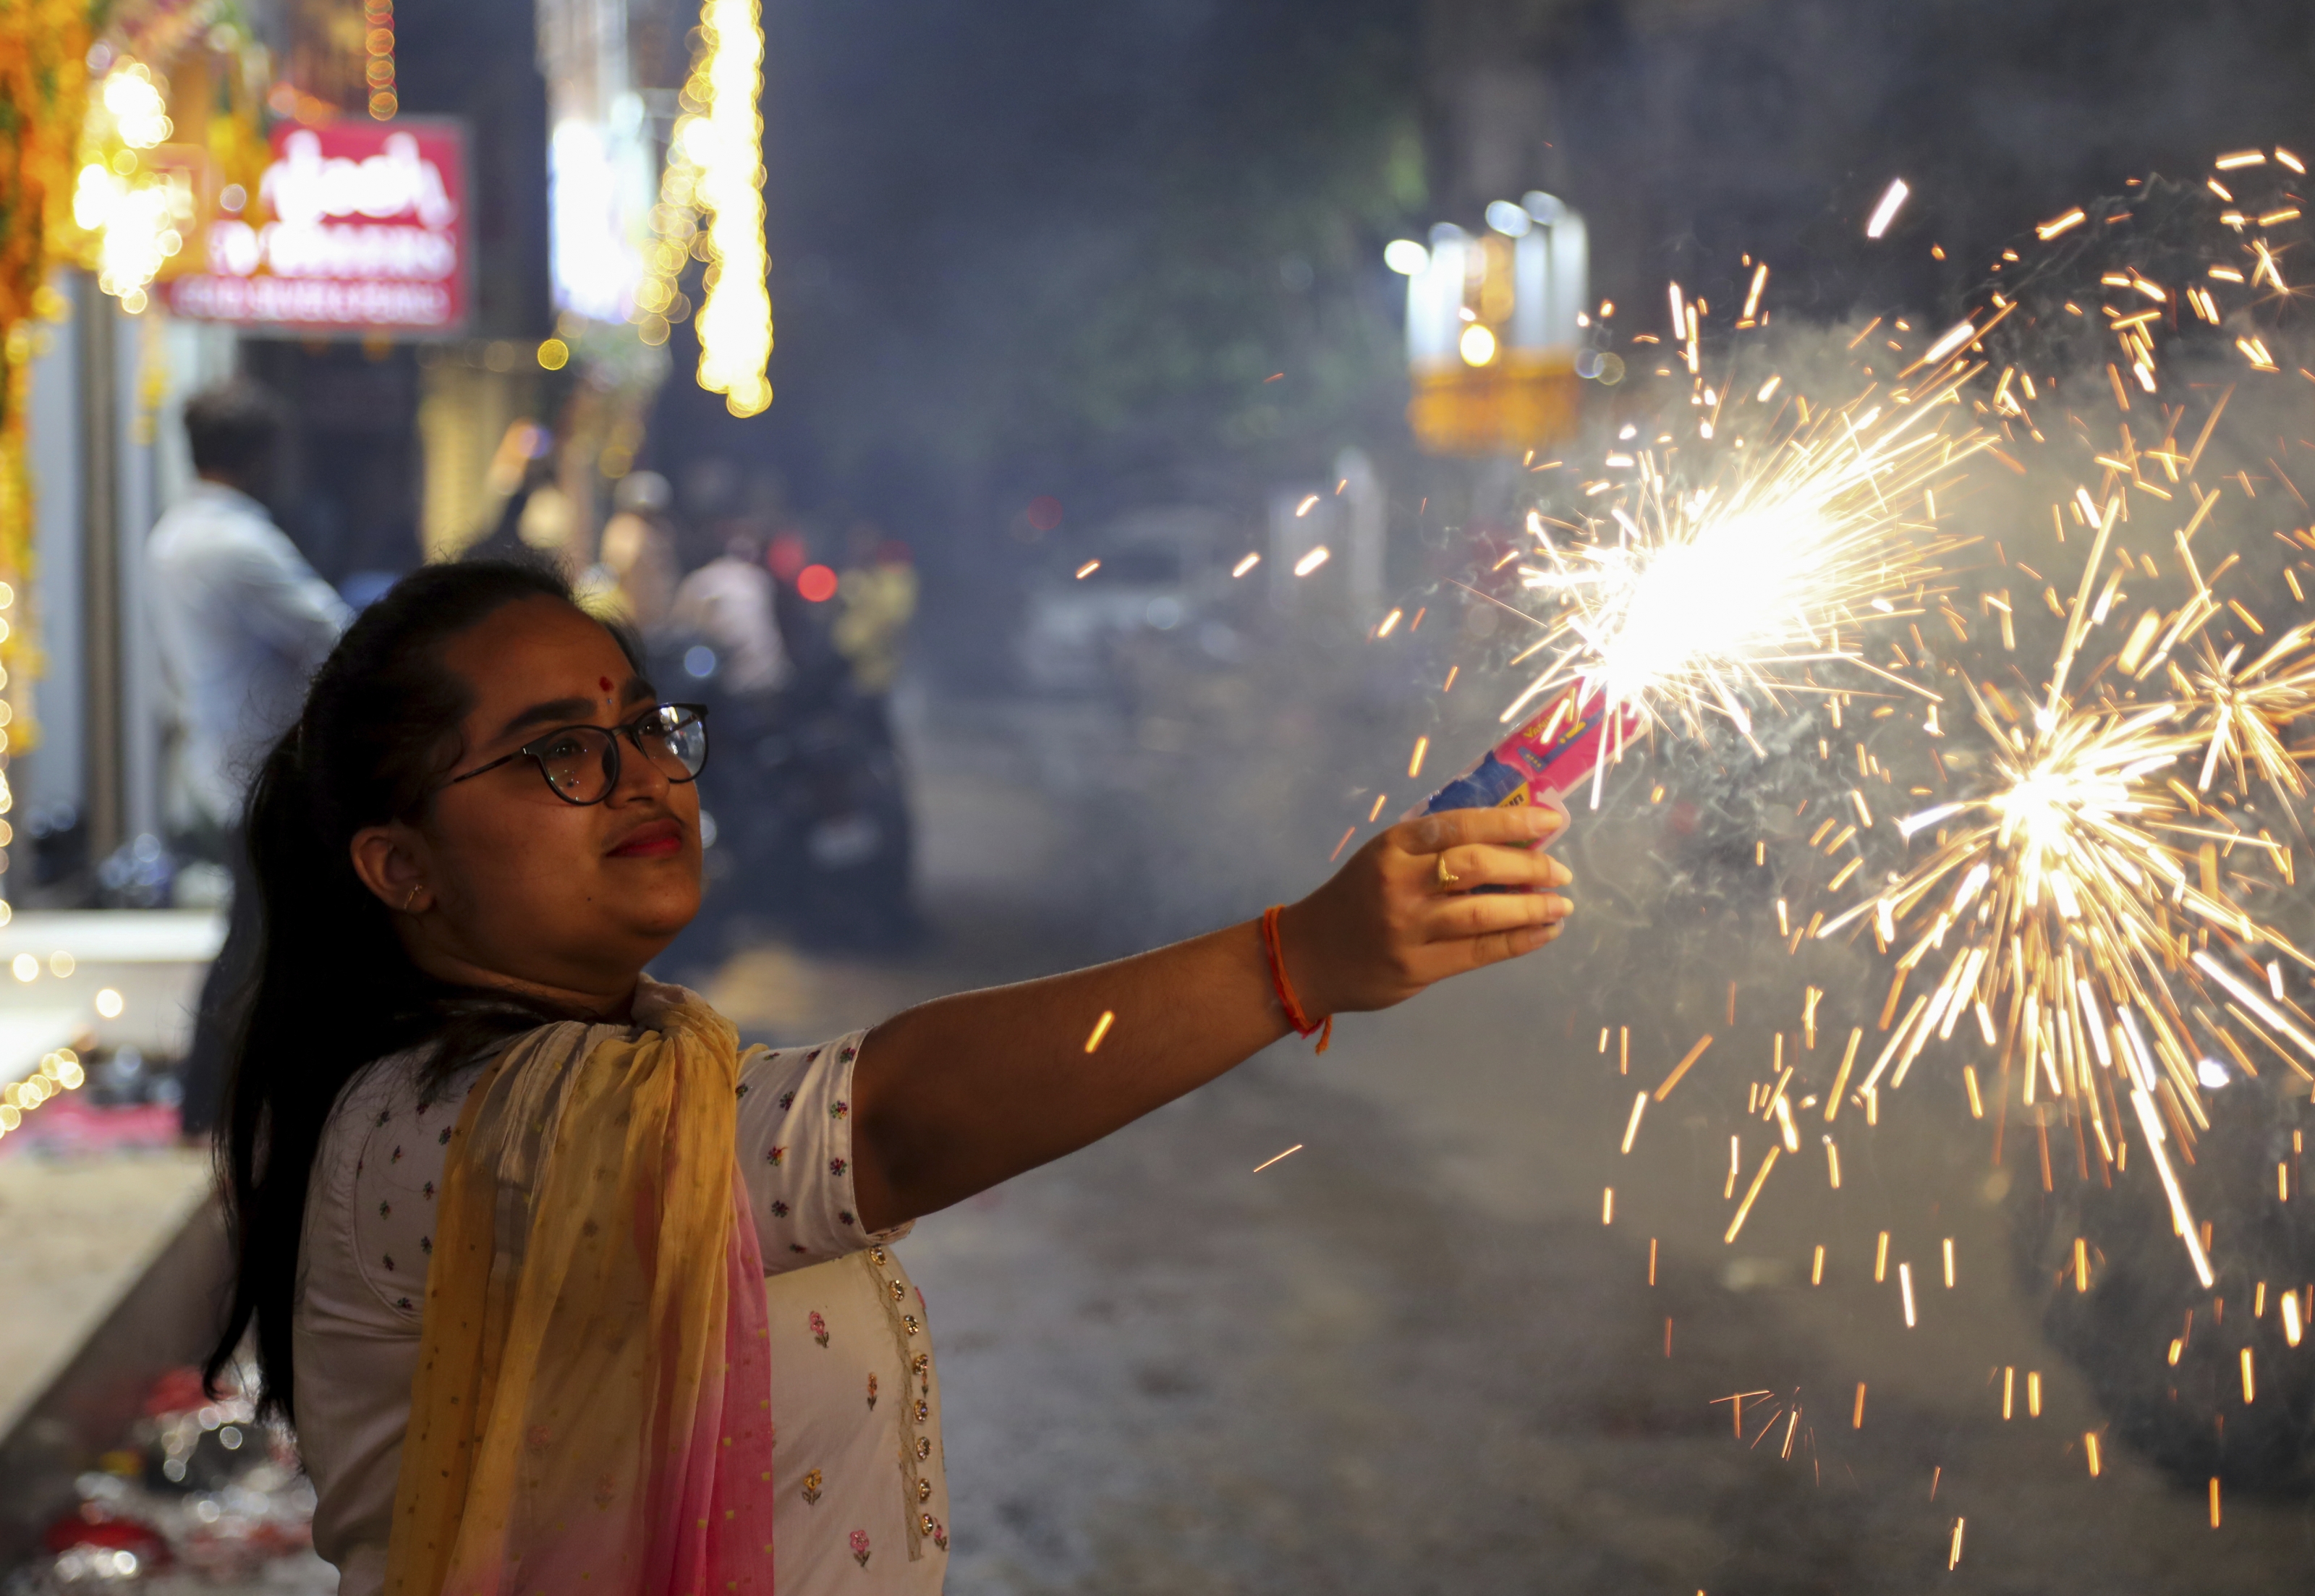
(952, 1096)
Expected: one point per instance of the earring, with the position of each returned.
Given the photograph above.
(413, 899)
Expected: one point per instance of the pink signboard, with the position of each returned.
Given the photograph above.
(356, 226)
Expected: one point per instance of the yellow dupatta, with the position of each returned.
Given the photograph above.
(592, 1410)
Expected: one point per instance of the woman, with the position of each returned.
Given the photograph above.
(536, 1259)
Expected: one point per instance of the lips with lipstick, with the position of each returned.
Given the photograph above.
(653, 840)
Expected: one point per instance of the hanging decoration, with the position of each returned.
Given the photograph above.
(720, 138)
(146, 187)
(43, 84)
(676, 239)
(377, 44)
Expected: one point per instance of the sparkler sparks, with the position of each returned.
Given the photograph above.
(1683, 604)
(2074, 903)
(1893, 199)
(2060, 898)
(2065, 867)
(2242, 706)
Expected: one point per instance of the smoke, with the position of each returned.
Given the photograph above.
(1701, 874)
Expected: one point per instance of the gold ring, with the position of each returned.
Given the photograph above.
(1447, 878)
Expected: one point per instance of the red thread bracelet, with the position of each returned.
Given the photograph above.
(1296, 1015)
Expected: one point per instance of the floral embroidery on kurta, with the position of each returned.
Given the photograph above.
(793, 1157)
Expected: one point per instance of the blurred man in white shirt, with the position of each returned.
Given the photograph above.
(728, 601)
(241, 621)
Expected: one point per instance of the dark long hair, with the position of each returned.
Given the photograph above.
(333, 989)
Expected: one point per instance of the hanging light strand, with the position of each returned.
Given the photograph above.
(129, 213)
(725, 145)
(676, 240)
(9, 617)
(378, 72)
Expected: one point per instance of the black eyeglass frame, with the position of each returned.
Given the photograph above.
(631, 732)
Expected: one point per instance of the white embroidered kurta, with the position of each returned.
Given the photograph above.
(855, 1401)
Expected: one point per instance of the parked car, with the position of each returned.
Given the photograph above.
(1153, 570)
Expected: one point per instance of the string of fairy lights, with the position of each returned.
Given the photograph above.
(118, 203)
(7, 792)
(59, 1071)
(377, 44)
(712, 210)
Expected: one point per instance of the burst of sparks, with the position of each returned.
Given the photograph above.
(2077, 898)
(2081, 906)
(2060, 905)
(2241, 705)
(1683, 604)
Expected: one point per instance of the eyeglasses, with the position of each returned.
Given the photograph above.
(581, 763)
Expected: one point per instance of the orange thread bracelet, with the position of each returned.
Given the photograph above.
(1296, 1015)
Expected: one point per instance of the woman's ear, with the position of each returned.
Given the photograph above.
(392, 862)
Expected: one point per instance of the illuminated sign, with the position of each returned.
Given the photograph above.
(356, 227)
(599, 191)
(1494, 330)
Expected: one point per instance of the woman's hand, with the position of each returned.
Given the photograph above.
(1385, 926)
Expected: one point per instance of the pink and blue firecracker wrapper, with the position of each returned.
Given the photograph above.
(1548, 757)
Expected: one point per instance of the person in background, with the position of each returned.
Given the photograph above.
(728, 603)
(789, 553)
(877, 595)
(865, 853)
(548, 526)
(636, 577)
(535, 518)
(803, 631)
(240, 621)
(723, 627)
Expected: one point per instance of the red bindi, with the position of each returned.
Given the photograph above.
(603, 682)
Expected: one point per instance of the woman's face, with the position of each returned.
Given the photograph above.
(510, 882)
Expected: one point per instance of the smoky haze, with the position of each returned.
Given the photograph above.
(1128, 259)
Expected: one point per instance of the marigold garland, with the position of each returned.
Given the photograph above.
(43, 91)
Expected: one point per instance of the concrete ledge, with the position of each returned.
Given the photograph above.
(140, 1313)
(116, 936)
(153, 960)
